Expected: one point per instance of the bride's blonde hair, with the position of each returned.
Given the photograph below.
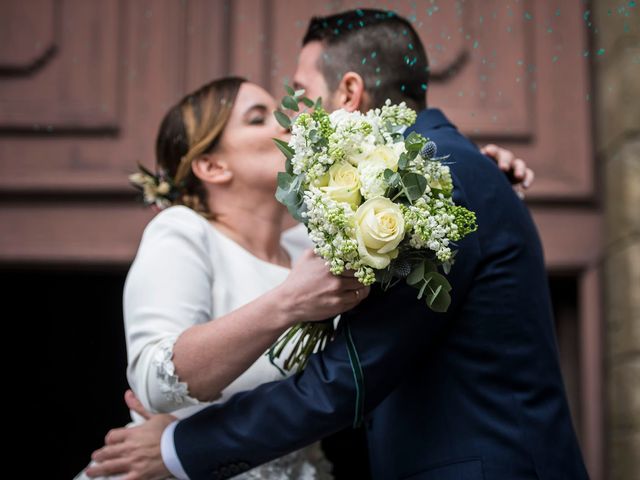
(190, 129)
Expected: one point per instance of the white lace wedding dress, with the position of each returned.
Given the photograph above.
(186, 272)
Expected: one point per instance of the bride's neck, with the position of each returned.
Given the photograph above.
(257, 229)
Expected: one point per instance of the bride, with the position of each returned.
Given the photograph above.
(214, 283)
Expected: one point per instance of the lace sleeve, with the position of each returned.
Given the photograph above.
(167, 382)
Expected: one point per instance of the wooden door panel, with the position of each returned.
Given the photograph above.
(66, 78)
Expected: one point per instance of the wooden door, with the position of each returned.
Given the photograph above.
(83, 85)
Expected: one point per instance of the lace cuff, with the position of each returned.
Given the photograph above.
(173, 390)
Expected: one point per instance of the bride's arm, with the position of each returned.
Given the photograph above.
(234, 341)
(177, 357)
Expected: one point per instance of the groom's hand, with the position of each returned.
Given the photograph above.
(133, 452)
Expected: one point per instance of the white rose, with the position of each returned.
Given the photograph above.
(379, 230)
(360, 154)
(385, 155)
(344, 184)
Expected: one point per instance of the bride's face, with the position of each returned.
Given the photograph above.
(247, 145)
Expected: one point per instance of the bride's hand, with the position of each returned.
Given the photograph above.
(516, 169)
(136, 405)
(311, 292)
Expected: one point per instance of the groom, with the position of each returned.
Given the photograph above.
(472, 394)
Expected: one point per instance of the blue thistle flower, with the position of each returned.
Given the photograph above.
(429, 150)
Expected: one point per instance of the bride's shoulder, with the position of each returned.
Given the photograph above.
(178, 221)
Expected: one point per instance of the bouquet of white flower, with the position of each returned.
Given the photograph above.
(373, 201)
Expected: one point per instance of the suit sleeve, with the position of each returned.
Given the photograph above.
(391, 330)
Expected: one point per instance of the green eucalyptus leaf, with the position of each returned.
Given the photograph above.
(282, 119)
(429, 267)
(417, 274)
(318, 103)
(403, 161)
(298, 93)
(437, 295)
(290, 103)
(440, 302)
(284, 148)
(307, 101)
(414, 143)
(414, 185)
(290, 90)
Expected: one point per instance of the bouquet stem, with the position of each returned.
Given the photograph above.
(308, 338)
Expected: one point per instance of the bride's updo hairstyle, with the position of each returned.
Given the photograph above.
(190, 129)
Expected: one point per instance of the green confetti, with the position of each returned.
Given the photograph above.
(475, 44)
(528, 16)
(554, 59)
(601, 51)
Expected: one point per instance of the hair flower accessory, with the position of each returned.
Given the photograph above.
(157, 188)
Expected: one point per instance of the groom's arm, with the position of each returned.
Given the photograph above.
(391, 331)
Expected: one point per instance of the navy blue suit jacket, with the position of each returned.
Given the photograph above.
(475, 393)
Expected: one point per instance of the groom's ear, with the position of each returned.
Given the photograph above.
(211, 169)
(350, 93)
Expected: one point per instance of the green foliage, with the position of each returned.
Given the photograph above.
(289, 193)
(431, 285)
(282, 119)
(413, 185)
(291, 103)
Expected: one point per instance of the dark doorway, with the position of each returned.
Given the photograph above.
(67, 339)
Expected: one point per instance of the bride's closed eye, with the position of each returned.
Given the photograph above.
(256, 115)
(257, 120)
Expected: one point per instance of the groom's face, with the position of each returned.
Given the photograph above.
(310, 77)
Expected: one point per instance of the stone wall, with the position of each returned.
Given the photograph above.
(616, 37)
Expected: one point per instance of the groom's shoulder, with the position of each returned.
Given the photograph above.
(451, 144)
(470, 168)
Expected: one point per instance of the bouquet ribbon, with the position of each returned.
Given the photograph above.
(358, 377)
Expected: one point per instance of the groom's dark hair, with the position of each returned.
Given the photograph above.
(382, 47)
